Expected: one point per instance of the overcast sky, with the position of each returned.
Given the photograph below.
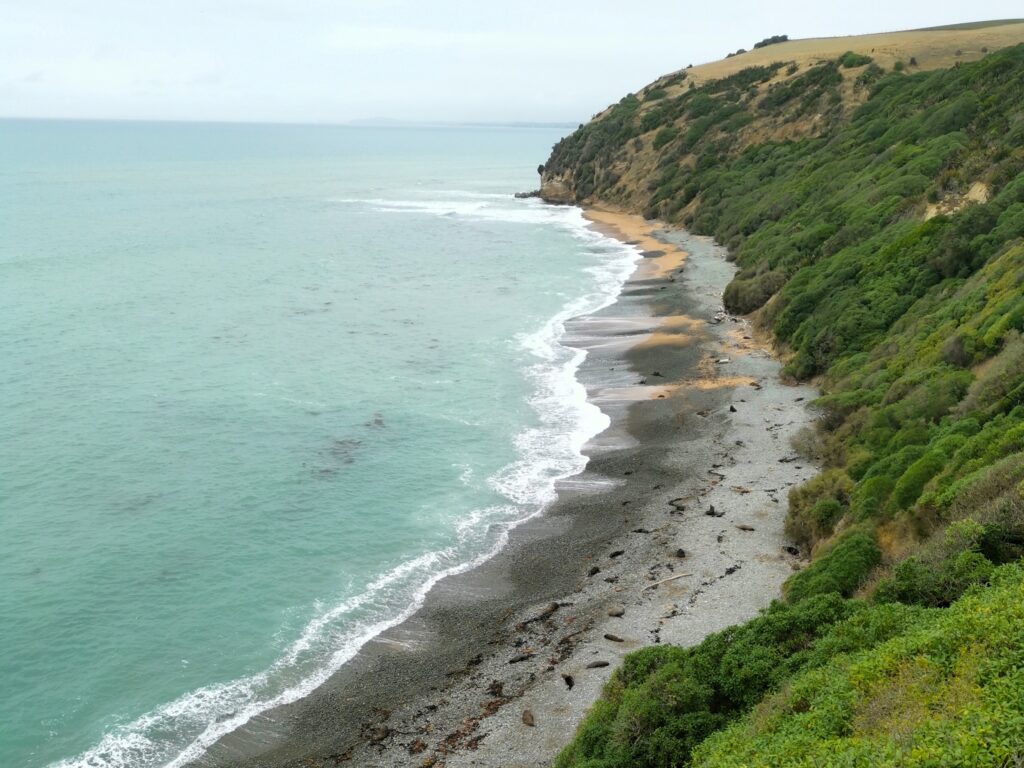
(338, 60)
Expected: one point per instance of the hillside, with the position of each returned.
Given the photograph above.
(626, 143)
(871, 191)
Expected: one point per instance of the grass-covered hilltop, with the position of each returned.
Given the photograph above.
(871, 192)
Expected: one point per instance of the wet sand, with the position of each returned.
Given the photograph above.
(673, 531)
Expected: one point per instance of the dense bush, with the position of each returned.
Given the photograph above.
(946, 691)
(665, 700)
(773, 40)
(665, 135)
(842, 569)
(917, 582)
(849, 60)
(816, 506)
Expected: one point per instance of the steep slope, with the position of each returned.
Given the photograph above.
(776, 92)
(877, 217)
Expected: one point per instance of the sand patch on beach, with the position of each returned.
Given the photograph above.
(661, 339)
(718, 382)
(633, 394)
(661, 259)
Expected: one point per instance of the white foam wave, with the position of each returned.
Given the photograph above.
(180, 731)
(484, 207)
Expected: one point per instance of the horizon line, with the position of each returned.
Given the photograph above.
(381, 122)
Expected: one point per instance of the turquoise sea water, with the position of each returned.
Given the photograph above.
(261, 386)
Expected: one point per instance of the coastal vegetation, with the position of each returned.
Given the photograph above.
(877, 222)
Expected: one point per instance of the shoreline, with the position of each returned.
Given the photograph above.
(627, 556)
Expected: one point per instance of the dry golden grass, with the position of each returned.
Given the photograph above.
(931, 48)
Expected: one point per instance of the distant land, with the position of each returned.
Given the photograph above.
(387, 122)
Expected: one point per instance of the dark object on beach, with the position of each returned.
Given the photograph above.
(711, 512)
(496, 688)
(594, 570)
(528, 718)
(628, 472)
(789, 549)
(731, 570)
(678, 504)
(417, 746)
(732, 409)
(613, 638)
(597, 664)
(617, 553)
(617, 612)
(680, 552)
(569, 682)
(378, 733)
(639, 530)
(546, 613)
(743, 527)
(521, 657)
(642, 381)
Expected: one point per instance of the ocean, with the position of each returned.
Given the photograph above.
(261, 387)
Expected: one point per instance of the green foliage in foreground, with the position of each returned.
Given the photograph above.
(665, 700)
(947, 691)
(847, 683)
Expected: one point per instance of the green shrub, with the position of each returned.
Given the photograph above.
(664, 136)
(665, 700)
(744, 296)
(871, 496)
(849, 60)
(870, 76)
(801, 520)
(773, 40)
(919, 583)
(946, 691)
(842, 569)
(998, 380)
(908, 488)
